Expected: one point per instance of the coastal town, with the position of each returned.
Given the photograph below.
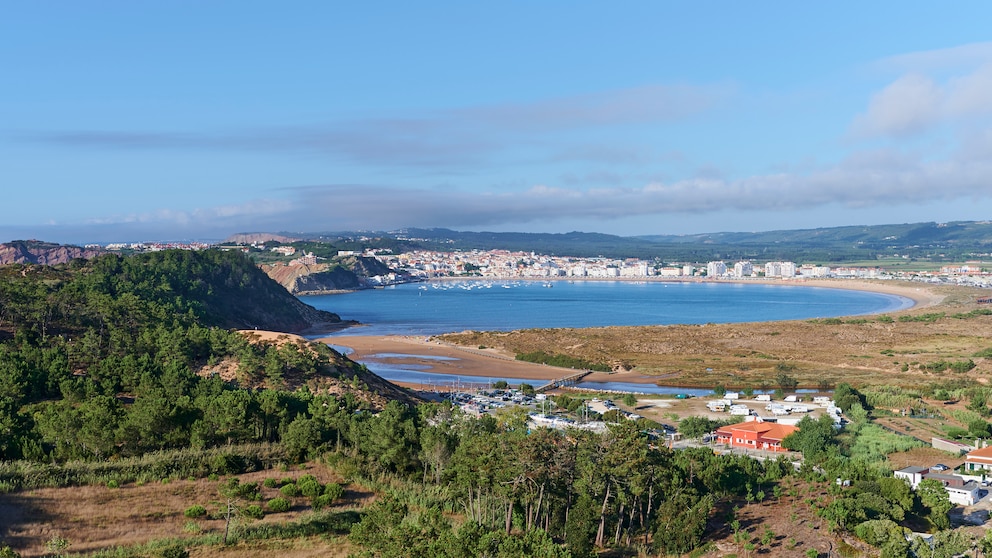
(504, 264)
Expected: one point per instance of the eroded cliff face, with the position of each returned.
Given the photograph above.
(312, 279)
(44, 253)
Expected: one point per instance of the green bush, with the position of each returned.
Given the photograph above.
(278, 505)
(195, 511)
(309, 486)
(253, 511)
(322, 501)
(113, 484)
(174, 551)
(334, 490)
(562, 361)
(926, 318)
(289, 490)
(270, 483)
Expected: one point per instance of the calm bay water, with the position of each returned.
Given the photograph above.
(442, 307)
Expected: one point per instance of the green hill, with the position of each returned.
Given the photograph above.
(120, 355)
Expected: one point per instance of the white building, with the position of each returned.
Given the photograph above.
(960, 491)
(716, 269)
(743, 269)
(814, 271)
(780, 269)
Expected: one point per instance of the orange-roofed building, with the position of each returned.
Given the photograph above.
(766, 436)
(979, 459)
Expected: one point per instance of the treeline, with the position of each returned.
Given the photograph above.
(527, 493)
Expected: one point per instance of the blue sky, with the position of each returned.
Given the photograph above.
(130, 121)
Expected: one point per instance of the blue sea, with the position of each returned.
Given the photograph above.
(424, 309)
(451, 306)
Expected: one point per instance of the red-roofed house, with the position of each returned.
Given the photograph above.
(755, 435)
(979, 459)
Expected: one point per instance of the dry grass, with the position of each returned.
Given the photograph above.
(752, 354)
(96, 517)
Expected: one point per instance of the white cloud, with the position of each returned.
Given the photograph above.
(941, 87)
(906, 106)
(962, 56)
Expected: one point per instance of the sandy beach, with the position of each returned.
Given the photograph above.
(463, 361)
(488, 362)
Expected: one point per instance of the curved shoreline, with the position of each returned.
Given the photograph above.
(464, 361)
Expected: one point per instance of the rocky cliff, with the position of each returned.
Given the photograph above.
(44, 253)
(313, 279)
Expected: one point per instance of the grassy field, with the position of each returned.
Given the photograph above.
(99, 518)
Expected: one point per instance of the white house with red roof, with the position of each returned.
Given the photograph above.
(979, 460)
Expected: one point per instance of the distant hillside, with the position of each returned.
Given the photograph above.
(45, 253)
(577, 244)
(932, 241)
(962, 235)
(211, 287)
(249, 238)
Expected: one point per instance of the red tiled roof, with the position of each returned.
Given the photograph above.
(765, 430)
(983, 454)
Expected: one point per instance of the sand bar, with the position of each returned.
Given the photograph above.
(422, 352)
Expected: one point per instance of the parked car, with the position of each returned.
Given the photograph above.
(939, 467)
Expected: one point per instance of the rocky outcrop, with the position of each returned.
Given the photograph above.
(44, 253)
(313, 279)
(365, 267)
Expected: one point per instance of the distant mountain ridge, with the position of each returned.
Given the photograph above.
(951, 241)
(962, 233)
(935, 241)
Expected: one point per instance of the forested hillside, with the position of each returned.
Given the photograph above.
(123, 355)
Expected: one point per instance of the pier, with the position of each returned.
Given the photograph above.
(571, 379)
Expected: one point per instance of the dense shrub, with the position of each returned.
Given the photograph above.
(278, 505)
(309, 486)
(926, 318)
(253, 511)
(289, 490)
(174, 551)
(562, 361)
(195, 511)
(270, 483)
(322, 501)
